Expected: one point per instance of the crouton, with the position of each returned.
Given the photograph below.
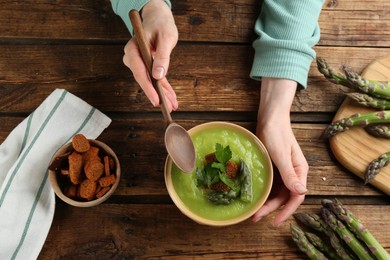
(210, 158)
(107, 180)
(75, 167)
(94, 169)
(91, 154)
(102, 191)
(219, 186)
(71, 191)
(106, 165)
(87, 189)
(59, 162)
(80, 143)
(112, 163)
(231, 169)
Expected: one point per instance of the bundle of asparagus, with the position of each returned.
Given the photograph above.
(341, 235)
(370, 93)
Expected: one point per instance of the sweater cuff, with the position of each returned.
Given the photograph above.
(123, 8)
(287, 59)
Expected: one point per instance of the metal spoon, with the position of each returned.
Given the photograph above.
(177, 141)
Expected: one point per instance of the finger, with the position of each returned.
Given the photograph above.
(169, 93)
(290, 174)
(301, 167)
(133, 60)
(292, 181)
(271, 205)
(162, 57)
(288, 209)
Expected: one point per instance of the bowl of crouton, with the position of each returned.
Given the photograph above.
(84, 172)
(232, 178)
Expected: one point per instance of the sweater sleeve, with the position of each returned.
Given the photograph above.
(123, 7)
(287, 32)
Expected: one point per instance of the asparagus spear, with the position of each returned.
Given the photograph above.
(331, 74)
(375, 166)
(246, 182)
(382, 131)
(356, 226)
(322, 246)
(365, 119)
(370, 101)
(315, 222)
(223, 198)
(371, 87)
(354, 81)
(345, 234)
(304, 245)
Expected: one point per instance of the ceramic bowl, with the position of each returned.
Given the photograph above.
(191, 199)
(58, 181)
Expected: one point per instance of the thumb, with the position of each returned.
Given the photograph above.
(291, 180)
(293, 170)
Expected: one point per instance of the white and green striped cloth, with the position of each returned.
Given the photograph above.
(27, 200)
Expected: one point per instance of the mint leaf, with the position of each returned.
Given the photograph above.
(219, 166)
(223, 154)
(200, 178)
(206, 177)
(212, 175)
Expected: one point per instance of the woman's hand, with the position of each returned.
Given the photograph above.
(161, 32)
(274, 130)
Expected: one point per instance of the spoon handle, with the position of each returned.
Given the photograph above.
(139, 34)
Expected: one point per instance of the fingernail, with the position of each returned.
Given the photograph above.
(158, 73)
(153, 103)
(276, 225)
(299, 188)
(175, 106)
(257, 219)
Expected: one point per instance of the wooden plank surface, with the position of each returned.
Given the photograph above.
(216, 79)
(78, 46)
(198, 21)
(161, 232)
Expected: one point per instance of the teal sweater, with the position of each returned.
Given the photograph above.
(287, 31)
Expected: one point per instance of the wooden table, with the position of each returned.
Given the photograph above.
(78, 46)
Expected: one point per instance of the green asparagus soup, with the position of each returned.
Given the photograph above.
(242, 147)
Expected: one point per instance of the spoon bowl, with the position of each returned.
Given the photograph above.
(176, 137)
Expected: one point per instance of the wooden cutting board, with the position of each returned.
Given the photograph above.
(355, 148)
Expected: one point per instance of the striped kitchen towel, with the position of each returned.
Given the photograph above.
(27, 200)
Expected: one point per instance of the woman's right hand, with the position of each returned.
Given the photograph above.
(161, 32)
